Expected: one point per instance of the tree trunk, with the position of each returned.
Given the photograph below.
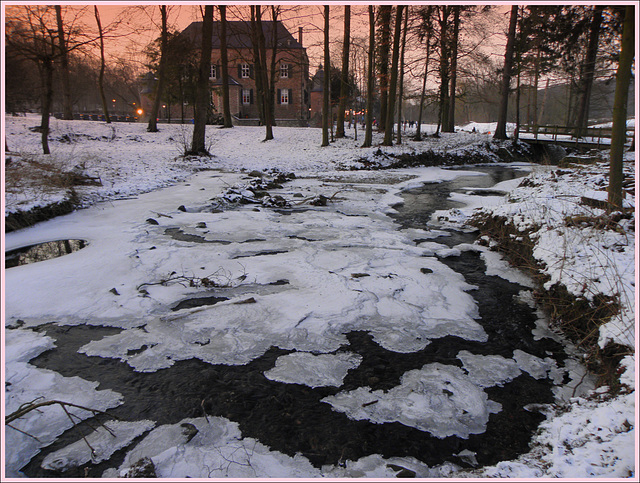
(418, 136)
(401, 82)
(153, 115)
(383, 66)
(368, 134)
(587, 73)
(344, 75)
(388, 134)
(67, 103)
(103, 98)
(443, 114)
(274, 52)
(260, 89)
(618, 134)
(224, 60)
(501, 128)
(267, 97)
(203, 94)
(450, 127)
(47, 99)
(326, 81)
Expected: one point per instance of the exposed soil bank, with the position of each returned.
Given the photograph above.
(23, 219)
(577, 317)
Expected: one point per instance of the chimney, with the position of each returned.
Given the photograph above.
(300, 35)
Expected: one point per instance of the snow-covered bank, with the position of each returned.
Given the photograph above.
(297, 281)
(591, 254)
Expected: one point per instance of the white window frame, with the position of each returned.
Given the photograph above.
(284, 96)
(284, 71)
(246, 97)
(245, 70)
(213, 73)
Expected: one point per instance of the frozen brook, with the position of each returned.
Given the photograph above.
(367, 335)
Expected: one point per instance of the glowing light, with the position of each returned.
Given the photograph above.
(139, 111)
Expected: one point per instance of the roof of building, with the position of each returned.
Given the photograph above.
(239, 34)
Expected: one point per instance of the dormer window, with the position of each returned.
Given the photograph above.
(245, 71)
(213, 75)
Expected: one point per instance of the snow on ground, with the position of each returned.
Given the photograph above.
(129, 160)
(306, 276)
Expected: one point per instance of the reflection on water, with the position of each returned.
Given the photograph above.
(42, 251)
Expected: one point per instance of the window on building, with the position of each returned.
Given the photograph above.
(214, 72)
(245, 71)
(284, 96)
(284, 70)
(247, 96)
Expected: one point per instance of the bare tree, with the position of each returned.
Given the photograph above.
(368, 135)
(103, 98)
(224, 59)
(501, 128)
(587, 72)
(618, 135)
(344, 75)
(427, 16)
(388, 134)
(384, 19)
(401, 82)
(198, 146)
(153, 115)
(327, 81)
(261, 71)
(450, 126)
(67, 104)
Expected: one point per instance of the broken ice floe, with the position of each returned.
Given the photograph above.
(438, 398)
(212, 447)
(97, 446)
(26, 384)
(314, 370)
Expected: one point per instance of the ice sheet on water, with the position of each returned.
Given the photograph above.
(439, 399)
(401, 297)
(314, 370)
(104, 441)
(211, 447)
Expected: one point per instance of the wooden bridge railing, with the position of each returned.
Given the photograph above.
(593, 135)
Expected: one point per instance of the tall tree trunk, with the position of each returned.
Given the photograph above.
(344, 75)
(443, 114)
(587, 72)
(368, 134)
(450, 127)
(257, 62)
(47, 99)
(619, 130)
(401, 81)
(327, 83)
(418, 136)
(501, 128)
(388, 134)
(267, 97)
(224, 60)
(383, 62)
(274, 52)
(203, 95)
(103, 98)
(153, 115)
(67, 103)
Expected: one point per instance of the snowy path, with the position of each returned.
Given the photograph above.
(300, 280)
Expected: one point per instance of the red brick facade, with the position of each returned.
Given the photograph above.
(291, 71)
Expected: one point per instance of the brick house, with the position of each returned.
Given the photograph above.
(292, 71)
